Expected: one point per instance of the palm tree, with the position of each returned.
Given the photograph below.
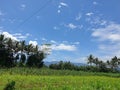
(22, 43)
(108, 63)
(114, 62)
(2, 41)
(28, 48)
(118, 61)
(96, 61)
(90, 59)
(35, 60)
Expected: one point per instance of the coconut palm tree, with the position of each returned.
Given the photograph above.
(2, 41)
(96, 61)
(114, 62)
(90, 59)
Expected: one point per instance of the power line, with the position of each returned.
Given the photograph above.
(42, 7)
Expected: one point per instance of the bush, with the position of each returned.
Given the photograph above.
(10, 86)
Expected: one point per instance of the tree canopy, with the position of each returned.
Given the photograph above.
(18, 53)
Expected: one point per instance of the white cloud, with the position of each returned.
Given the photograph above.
(109, 40)
(110, 32)
(23, 6)
(15, 36)
(77, 43)
(46, 48)
(78, 17)
(89, 14)
(64, 47)
(98, 21)
(59, 11)
(34, 43)
(20, 36)
(95, 3)
(8, 35)
(1, 13)
(60, 6)
(11, 20)
(63, 4)
(52, 41)
(43, 39)
(71, 26)
(56, 28)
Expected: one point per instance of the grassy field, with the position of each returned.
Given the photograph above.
(46, 79)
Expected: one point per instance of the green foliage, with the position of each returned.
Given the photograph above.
(35, 60)
(10, 86)
(62, 66)
(99, 65)
(17, 53)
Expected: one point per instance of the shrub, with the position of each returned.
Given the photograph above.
(10, 86)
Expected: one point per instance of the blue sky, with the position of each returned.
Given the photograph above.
(74, 28)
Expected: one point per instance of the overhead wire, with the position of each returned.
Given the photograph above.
(36, 12)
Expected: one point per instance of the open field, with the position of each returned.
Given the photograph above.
(32, 82)
(46, 79)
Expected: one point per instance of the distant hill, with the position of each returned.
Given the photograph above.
(55, 62)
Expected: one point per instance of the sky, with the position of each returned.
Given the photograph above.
(74, 28)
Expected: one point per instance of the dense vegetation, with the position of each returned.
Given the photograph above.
(18, 53)
(22, 78)
(94, 65)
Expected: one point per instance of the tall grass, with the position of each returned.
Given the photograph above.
(46, 71)
(32, 82)
(47, 79)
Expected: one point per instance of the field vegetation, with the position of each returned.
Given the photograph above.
(48, 79)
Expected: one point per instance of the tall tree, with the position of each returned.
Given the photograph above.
(90, 59)
(114, 62)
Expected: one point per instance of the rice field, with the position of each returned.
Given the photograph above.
(46, 81)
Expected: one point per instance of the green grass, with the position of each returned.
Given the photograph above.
(50, 72)
(46, 79)
(32, 82)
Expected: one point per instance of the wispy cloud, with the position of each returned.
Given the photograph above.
(53, 42)
(77, 43)
(73, 26)
(56, 28)
(22, 6)
(58, 11)
(89, 14)
(60, 6)
(110, 32)
(78, 17)
(64, 47)
(1, 13)
(20, 36)
(43, 39)
(109, 39)
(15, 36)
(95, 3)
(63, 4)
(11, 20)
(34, 43)
(99, 21)
(61, 46)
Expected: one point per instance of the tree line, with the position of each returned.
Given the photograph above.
(18, 53)
(93, 64)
